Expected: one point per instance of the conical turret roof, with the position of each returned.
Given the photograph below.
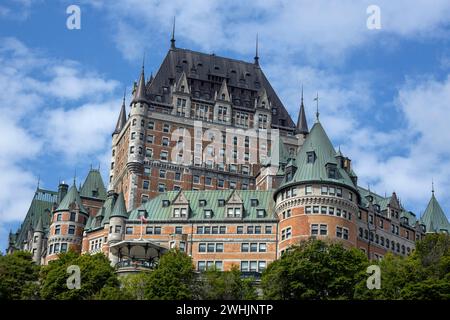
(120, 209)
(434, 217)
(71, 197)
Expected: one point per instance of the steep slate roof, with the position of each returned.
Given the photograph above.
(377, 199)
(434, 217)
(40, 209)
(283, 156)
(120, 209)
(318, 141)
(71, 196)
(156, 212)
(93, 182)
(201, 66)
(140, 93)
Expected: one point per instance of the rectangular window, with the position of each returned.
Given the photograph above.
(57, 229)
(245, 247)
(219, 247)
(165, 142)
(202, 247)
(210, 247)
(164, 155)
(268, 229)
(324, 190)
(161, 187)
(157, 230)
(323, 230)
(308, 210)
(63, 247)
(323, 210)
(308, 190)
(250, 229)
(72, 216)
(178, 230)
(253, 247)
(240, 230)
(166, 128)
(244, 266)
(262, 247)
(149, 230)
(162, 173)
(314, 229)
(201, 266)
(129, 230)
(146, 185)
(339, 192)
(316, 209)
(118, 229)
(339, 232)
(222, 229)
(71, 229)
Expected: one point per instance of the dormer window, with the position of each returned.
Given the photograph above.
(208, 213)
(234, 212)
(254, 202)
(377, 208)
(165, 203)
(180, 212)
(202, 203)
(310, 157)
(221, 202)
(332, 171)
(260, 213)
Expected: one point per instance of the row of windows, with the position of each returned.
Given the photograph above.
(151, 125)
(204, 265)
(254, 229)
(95, 244)
(210, 247)
(211, 230)
(57, 248)
(70, 230)
(72, 217)
(253, 266)
(325, 190)
(328, 210)
(385, 242)
(253, 247)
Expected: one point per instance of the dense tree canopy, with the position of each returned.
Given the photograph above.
(315, 270)
(19, 276)
(95, 271)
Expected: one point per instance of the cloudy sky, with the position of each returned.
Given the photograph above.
(384, 93)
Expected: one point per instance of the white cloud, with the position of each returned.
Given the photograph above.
(318, 30)
(31, 127)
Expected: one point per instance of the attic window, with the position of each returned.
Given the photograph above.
(216, 68)
(254, 202)
(221, 202)
(165, 203)
(377, 208)
(332, 171)
(95, 193)
(208, 213)
(223, 96)
(260, 213)
(311, 157)
(247, 74)
(233, 71)
(202, 203)
(199, 64)
(184, 61)
(274, 111)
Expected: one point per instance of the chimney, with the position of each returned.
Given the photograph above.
(62, 191)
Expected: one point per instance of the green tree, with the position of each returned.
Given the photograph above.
(424, 275)
(172, 279)
(19, 276)
(225, 285)
(95, 274)
(133, 286)
(315, 270)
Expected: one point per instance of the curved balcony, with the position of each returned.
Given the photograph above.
(135, 265)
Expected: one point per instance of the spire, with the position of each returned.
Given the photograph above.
(256, 52)
(317, 107)
(302, 125)
(140, 93)
(172, 40)
(432, 187)
(122, 116)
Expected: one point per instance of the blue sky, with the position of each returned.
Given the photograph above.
(384, 94)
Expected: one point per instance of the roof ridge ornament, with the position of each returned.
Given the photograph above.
(256, 51)
(172, 39)
(317, 106)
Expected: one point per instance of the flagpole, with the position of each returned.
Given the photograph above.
(142, 227)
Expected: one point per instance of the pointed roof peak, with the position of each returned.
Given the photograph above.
(39, 227)
(317, 106)
(121, 121)
(302, 125)
(434, 217)
(71, 197)
(140, 94)
(120, 209)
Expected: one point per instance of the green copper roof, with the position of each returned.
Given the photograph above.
(156, 211)
(318, 142)
(71, 196)
(377, 199)
(120, 209)
(93, 186)
(434, 217)
(40, 209)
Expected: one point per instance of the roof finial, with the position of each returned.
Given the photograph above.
(39, 180)
(172, 40)
(75, 177)
(317, 106)
(124, 94)
(256, 51)
(302, 93)
(143, 62)
(432, 186)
